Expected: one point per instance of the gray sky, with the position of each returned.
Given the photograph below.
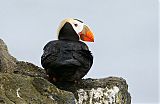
(126, 36)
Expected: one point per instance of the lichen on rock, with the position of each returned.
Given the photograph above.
(111, 90)
(98, 96)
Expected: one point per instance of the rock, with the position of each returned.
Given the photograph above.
(20, 89)
(111, 90)
(29, 69)
(25, 83)
(7, 62)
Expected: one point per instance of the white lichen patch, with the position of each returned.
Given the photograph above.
(82, 95)
(2, 87)
(17, 92)
(51, 97)
(98, 96)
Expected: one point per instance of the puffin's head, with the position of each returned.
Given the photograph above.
(74, 29)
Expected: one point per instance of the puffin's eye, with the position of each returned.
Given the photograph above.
(75, 25)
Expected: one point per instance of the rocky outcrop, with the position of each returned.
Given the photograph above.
(20, 89)
(24, 83)
(7, 62)
(111, 90)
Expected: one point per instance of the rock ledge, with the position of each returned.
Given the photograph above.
(25, 83)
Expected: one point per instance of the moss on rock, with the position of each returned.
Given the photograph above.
(22, 89)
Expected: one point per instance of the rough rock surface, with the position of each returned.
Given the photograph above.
(20, 89)
(111, 90)
(24, 83)
(7, 62)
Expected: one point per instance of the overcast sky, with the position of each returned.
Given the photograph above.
(126, 36)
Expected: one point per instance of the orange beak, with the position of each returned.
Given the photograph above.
(86, 34)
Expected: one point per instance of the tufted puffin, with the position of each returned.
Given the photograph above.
(68, 58)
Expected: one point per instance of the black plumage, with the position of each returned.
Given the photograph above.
(66, 60)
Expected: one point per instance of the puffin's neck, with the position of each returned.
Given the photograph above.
(67, 33)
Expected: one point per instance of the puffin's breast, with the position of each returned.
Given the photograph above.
(67, 59)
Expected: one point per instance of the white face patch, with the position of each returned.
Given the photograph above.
(77, 26)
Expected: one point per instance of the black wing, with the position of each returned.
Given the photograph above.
(50, 53)
(84, 56)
